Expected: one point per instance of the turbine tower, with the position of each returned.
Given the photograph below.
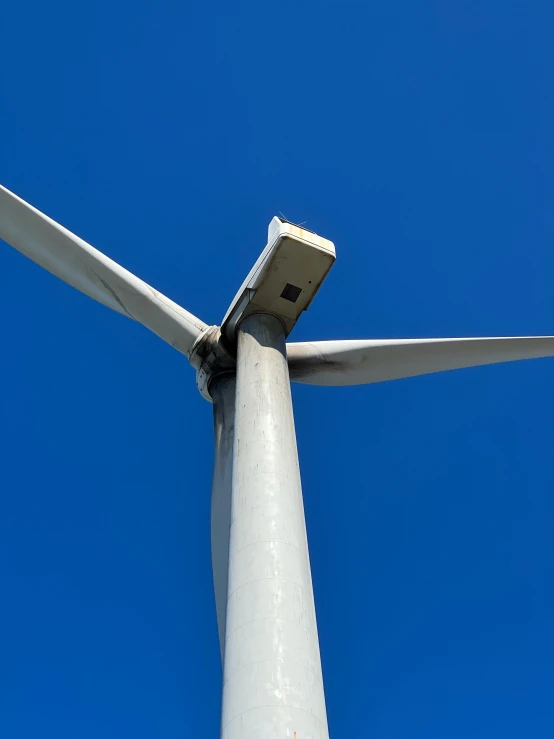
(272, 678)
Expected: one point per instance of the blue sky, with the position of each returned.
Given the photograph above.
(418, 137)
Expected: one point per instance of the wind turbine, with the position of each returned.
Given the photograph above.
(272, 679)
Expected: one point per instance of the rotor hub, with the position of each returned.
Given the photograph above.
(211, 359)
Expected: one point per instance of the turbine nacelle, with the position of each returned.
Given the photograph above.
(285, 278)
(283, 282)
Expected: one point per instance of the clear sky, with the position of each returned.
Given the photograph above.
(418, 136)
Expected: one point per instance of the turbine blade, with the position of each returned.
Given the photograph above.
(363, 362)
(74, 261)
(223, 395)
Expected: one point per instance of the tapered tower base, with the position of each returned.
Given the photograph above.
(272, 678)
